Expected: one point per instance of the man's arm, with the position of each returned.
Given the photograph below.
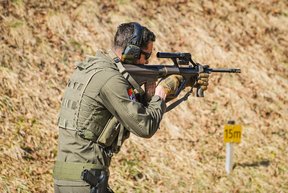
(140, 120)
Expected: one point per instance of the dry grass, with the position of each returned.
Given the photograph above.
(40, 41)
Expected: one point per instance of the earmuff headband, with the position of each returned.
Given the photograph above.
(132, 52)
(137, 35)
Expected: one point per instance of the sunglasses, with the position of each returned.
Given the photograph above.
(146, 54)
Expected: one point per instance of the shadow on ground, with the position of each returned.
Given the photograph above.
(265, 163)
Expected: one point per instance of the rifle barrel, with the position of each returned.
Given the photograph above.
(226, 70)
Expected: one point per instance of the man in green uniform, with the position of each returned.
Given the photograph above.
(101, 106)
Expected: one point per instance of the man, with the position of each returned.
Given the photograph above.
(102, 104)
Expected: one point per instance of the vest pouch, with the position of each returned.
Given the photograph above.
(87, 134)
(109, 133)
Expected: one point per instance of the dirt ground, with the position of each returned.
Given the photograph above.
(41, 40)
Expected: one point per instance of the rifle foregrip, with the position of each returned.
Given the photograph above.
(199, 92)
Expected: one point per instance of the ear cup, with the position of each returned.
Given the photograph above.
(132, 51)
(131, 54)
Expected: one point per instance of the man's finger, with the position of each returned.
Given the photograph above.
(204, 79)
(201, 82)
(204, 88)
(203, 75)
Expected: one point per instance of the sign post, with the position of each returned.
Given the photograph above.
(232, 134)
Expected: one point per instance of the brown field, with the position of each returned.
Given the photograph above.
(41, 40)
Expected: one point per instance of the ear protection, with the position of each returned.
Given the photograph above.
(132, 52)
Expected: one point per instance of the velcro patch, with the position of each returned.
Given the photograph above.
(131, 94)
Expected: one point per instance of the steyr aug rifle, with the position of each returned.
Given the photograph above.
(182, 64)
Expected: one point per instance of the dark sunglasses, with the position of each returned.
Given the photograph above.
(146, 54)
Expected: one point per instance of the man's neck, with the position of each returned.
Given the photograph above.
(118, 52)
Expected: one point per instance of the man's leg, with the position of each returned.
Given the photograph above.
(71, 189)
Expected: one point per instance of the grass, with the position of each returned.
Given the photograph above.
(41, 41)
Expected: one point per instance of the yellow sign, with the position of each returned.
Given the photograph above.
(232, 133)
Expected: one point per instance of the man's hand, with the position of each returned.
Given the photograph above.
(149, 90)
(202, 80)
(168, 86)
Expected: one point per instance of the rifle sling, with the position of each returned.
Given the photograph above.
(178, 102)
(126, 75)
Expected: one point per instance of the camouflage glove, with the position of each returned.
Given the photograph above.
(171, 83)
(202, 80)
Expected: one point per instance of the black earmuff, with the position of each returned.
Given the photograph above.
(132, 51)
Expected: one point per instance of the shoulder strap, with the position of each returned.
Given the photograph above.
(126, 75)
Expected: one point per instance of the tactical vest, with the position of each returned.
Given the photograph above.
(73, 97)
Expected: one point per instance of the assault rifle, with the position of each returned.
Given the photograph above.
(183, 65)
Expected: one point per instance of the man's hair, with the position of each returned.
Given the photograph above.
(125, 32)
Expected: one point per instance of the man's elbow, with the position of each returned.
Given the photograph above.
(147, 133)
(144, 131)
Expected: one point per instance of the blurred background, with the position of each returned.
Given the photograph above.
(41, 40)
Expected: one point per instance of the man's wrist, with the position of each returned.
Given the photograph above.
(160, 91)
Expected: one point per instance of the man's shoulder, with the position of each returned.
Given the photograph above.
(99, 60)
(103, 55)
(109, 73)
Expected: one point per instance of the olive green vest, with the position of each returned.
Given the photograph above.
(73, 97)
